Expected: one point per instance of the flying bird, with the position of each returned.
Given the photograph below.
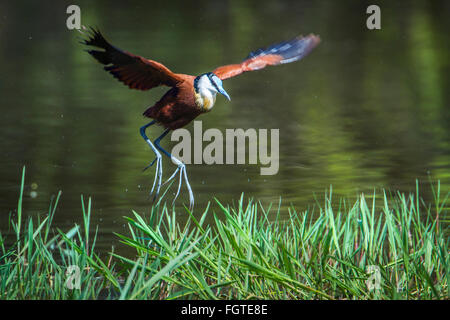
(189, 96)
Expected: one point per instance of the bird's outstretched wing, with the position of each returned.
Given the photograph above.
(284, 52)
(134, 71)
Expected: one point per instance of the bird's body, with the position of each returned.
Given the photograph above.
(184, 102)
(189, 96)
(177, 107)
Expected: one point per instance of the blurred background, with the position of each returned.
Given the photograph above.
(365, 110)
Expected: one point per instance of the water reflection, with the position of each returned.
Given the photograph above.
(366, 109)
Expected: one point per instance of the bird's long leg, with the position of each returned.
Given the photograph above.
(181, 170)
(158, 173)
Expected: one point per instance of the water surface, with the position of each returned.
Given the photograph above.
(367, 109)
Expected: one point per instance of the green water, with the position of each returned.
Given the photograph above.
(366, 109)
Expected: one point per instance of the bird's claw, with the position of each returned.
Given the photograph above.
(181, 170)
(158, 176)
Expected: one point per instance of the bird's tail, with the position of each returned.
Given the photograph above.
(150, 112)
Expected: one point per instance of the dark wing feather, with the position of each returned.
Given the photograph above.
(284, 52)
(134, 71)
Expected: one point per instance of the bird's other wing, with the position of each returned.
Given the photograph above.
(134, 71)
(284, 52)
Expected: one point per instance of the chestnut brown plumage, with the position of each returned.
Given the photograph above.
(189, 96)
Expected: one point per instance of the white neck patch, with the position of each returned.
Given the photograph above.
(206, 95)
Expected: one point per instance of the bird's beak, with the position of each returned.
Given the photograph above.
(223, 92)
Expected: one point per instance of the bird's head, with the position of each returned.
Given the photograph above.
(206, 86)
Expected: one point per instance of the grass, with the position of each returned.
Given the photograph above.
(394, 248)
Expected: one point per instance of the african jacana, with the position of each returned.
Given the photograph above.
(189, 96)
